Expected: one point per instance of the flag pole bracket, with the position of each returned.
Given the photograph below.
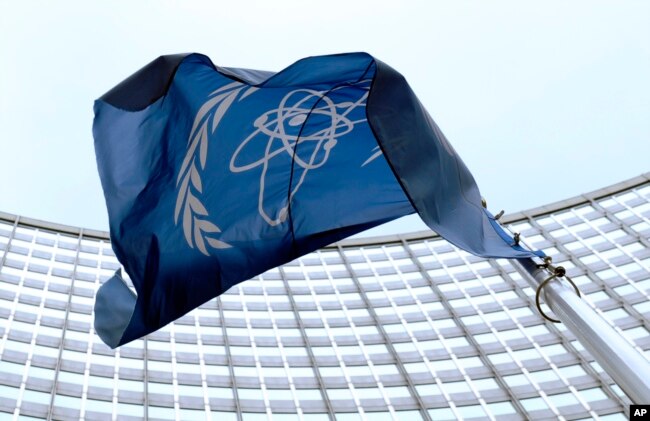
(557, 272)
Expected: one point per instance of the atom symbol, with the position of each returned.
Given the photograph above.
(281, 129)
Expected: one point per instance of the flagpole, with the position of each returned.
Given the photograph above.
(624, 364)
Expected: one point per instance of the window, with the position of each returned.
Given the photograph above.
(501, 408)
(130, 409)
(308, 394)
(368, 393)
(339, 394)
(593, 394)
(533, 404)
(456, 387)
(471, 411)
(563, 399)
(397, 392)
(94, 405)
(442, 414)
(28, 396)
(161, 412)
(67, 401)
(220, 392)
(72, 378)
(253, 394)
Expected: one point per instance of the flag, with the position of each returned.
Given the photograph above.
(213, 175)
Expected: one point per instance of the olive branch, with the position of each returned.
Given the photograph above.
(198, 230)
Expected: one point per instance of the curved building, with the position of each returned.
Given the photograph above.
(389, 328)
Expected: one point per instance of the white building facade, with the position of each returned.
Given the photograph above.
(387, 328)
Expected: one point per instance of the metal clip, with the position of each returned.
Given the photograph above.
(558, 272)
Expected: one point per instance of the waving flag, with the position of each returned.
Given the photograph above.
(213, 175)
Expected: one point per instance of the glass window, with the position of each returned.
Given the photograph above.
(440, 414)
(301, 372)
(527, 354)
(379, 416)
(367, 330)
(28, 396)
(358, 370)
(39, 372)
(99, 406)
(637, 333)
(267, 351)
(47, 351)
(293, 351)
(348, 417)
(471, 411)
(405, 347)
(431, 345)
(190, 390)
(572, 371)
(159, 366)
(223, 416)
(544, 376)
(397, 392)
(255, 394)
(245, 371)
(130, 409)
(128, 385)
(161, 412)
(309, 395)
(501, 408)
(67, 401)
(162, 388)
(274, 372)
(285, 417)
(217, 370)
(220, 392)
(349, 350)
(428, 390)
(188, 368)
(367, 393)
(593, 394)
(456, 387)
(533, 404)
(485, 384)
(134, 363)
(386, 369)
(563, 399)
(485, 338)
(470, 362)
(241, 351)
(339, 394)
(192, 414)
(376, 349)
(409, 415)
(516, 380)
(13, 368)
(457, 342)
(72, 378)
(314, 417)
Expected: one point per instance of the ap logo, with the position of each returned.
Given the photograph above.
(639, 412)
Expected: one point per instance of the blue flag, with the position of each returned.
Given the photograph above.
(214, 175)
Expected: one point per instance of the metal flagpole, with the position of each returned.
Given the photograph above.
(629, 369)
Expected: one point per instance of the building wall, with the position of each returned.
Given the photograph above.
(398, 327)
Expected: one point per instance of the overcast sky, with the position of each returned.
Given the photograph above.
(542, 100)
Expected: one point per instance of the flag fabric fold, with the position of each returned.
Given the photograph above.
(214, 175)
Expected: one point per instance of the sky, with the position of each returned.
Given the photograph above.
(542, 100)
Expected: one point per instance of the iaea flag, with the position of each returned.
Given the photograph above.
(213, 175)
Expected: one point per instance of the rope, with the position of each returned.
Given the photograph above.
(558, 272)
